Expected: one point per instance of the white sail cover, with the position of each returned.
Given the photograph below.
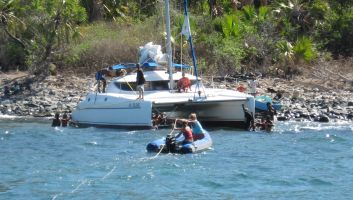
(152, 53)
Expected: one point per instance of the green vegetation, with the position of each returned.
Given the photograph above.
(229, 36)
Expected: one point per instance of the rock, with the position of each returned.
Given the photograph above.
(63, 93)
(323, 118)
(52, 92)
(6, 102)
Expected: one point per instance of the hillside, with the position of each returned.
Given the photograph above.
(229, 36)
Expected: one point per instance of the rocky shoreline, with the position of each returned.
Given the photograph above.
(45, 98)
(301, 100)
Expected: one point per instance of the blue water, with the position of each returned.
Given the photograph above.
(297, 161)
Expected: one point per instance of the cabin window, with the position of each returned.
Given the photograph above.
(158, 85)
(149, 85)
(126, 87)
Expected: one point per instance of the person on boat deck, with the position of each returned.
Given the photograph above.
(271, 110)
(197, 130)
(249, 119)
(186, 131)
(184, 83)
(140, 81)
(64, 120)
(100, 77)
(252, 85)
(56, 121)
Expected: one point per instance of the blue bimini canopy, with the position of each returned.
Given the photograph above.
(149, 64)
(123, 66)
(179, 66)
(146, 65)
(119, 66)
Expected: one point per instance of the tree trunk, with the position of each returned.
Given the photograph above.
(213, 7)
(94, 9)
(51, 39)
(97, 10)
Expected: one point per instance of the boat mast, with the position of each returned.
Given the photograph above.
(169, 45)
(194, 62)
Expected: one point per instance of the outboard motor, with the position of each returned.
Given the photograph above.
(170, 143)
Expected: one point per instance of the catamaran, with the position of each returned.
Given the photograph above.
(119, 107)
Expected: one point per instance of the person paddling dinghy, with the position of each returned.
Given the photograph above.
(197, 129)
(186, 132)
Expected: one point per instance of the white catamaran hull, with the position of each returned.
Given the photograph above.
(220, 108)
(108, 110)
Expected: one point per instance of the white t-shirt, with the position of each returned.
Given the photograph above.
(252, 86)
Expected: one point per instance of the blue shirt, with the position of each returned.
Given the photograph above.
(196, 127)
(99, 76)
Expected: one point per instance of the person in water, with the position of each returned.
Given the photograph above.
(271, 110)
(140, 81)
(186, 131)
(197, 130)
(56, 121)
(64, 120)
(184, 83)
(265, 124)
(249, 119)
(268, 124)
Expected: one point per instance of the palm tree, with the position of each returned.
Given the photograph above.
(285, 55)
(297, 13)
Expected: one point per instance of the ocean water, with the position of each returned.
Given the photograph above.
(298, 160)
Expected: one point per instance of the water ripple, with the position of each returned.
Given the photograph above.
(299, 160)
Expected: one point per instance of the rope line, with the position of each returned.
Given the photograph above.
(162, 146)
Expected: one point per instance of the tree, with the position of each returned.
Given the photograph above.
(40, 26)
(304, 50)
(94, 9)
(285, 55)
(9, 22)
(335, 33)
(59, 19)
